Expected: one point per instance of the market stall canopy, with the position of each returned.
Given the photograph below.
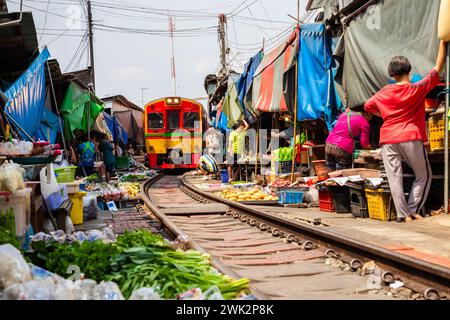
(231, 106)
(118, 132)
(27, 97)
(267, 93)
(49, 127)
(316, 90)
(101, 126)
(372, 39)
(132, 122)
(76, 106)
(244, 84)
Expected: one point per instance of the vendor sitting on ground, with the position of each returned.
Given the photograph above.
(340, 144)
(207, 165)
(236, 148)
(403, 134)
(86, 154)
(109, 159)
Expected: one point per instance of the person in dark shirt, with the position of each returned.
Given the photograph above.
(109, 159)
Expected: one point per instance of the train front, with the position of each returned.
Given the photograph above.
(173, 133)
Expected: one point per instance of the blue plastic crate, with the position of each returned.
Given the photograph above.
(291, 197)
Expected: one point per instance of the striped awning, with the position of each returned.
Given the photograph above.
(268, 81)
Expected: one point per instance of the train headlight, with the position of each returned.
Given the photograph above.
(173, 101)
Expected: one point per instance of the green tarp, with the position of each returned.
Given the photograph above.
(77, 106)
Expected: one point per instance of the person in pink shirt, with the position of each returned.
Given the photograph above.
(350, 126)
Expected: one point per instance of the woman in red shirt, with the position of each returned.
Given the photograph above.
(403, 134)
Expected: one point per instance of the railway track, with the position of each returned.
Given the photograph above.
(285, 259)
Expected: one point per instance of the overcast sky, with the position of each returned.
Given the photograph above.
(131, 45)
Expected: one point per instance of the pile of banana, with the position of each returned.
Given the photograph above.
(251, 195)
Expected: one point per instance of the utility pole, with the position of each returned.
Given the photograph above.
(223, 46)
(173, 73)
(142, 96)
(91, 43)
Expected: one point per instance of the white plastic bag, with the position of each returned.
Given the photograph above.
(13, 267)
(144, 294)
(50, 188)
(69, 225)
(108, 291)
(11, 177)
(31, 290)
(212, 293)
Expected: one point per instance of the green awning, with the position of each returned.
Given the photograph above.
(77, 103)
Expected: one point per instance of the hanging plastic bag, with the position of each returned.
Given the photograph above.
(50, 188)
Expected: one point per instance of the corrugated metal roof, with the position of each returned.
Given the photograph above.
(123, 100)
(18, 45)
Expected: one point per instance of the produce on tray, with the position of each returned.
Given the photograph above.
(279, 183)
(251, 195)
(132, 189)
(137, 259)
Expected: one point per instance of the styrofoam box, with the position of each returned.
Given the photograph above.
(21, 203)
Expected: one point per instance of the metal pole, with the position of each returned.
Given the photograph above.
(57, 109)
(91, 43)
(294, 153)
(447, 101)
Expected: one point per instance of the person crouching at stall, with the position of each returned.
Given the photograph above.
(86, 152)
(340, 144)
(207, 165)
(403, 134)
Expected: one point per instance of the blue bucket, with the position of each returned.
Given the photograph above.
(224, 175)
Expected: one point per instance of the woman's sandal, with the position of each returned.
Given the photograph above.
(417, 217)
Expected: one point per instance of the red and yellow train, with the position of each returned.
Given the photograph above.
(173, 133)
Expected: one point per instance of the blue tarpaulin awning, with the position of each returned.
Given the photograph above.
(316, 90)
(119, 134)
(27, 96)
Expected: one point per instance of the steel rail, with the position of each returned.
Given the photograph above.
(425, 273)
(185, 239)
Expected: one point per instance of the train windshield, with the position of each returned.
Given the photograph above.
(191, 120)
(155, 121)
(173, 119)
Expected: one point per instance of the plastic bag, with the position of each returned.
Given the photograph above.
(31, 290)
(144, 294)
(50, 188)
(312, 195)
(11, 177)
(69, 225)
(13, 267)
(212, 293)
(90, 207)
(108, 291)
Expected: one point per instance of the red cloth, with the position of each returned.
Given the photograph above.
(402, 109)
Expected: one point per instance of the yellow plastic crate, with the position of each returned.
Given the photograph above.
(436, 129)
(76, 214)
(378, 205)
